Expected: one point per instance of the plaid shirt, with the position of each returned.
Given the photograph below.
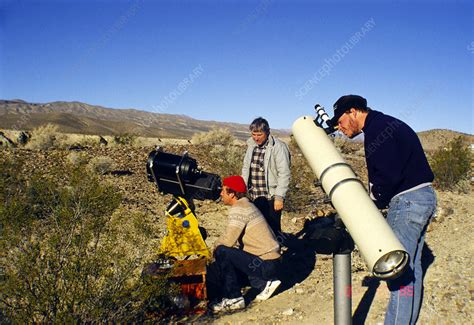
(258, 186)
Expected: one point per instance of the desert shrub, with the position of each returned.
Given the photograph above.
(76, 140)
(346, 146)
(88, 141)
(101, 165)
(125, 139)
(68, 254)
(451, 164)
(44, 137)
(216, 136)
(77, 158)
(143, 142)
(227, 159)
(463, 186)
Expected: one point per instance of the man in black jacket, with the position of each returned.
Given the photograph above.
(400, 179)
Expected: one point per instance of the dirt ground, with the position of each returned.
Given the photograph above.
(306, 296)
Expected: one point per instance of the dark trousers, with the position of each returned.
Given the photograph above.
(267, 208)
(233, 269)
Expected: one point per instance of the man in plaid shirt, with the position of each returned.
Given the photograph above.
(266, 171)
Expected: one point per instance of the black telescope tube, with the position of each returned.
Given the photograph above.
(180, 176)
(170, 164)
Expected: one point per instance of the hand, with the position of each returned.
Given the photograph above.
(278, 205)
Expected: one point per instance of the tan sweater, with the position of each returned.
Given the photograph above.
(248, 230)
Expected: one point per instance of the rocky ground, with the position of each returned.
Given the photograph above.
(306, 296)
(449, 283)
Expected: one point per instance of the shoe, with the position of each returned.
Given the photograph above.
(228, 304)
(270, 288)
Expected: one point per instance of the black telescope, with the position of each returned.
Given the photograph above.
(181, 176)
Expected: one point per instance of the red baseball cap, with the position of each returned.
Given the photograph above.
(235, 183)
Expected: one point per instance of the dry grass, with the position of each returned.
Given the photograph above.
(101, 165)
(346, 146)
(216, 136)
(77, 158)
(45, 137)
(80, 139)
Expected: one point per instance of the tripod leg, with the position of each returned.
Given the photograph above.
(342, 289)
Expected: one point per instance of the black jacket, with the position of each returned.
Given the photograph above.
(395, 159)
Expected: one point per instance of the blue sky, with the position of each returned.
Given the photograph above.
(236, 60)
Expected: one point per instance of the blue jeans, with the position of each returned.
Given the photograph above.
(409, 215)
(233, 268)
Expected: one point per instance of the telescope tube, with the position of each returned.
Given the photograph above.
(382, 251)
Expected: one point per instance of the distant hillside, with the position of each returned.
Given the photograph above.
(77, 117)
(433, 139)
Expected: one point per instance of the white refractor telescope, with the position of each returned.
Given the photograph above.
(383, 253)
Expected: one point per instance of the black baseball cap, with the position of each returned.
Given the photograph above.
(345, 103)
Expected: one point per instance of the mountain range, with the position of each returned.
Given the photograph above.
(77, 117)
(81, 118)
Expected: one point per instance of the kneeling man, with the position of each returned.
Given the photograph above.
(247, 252)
